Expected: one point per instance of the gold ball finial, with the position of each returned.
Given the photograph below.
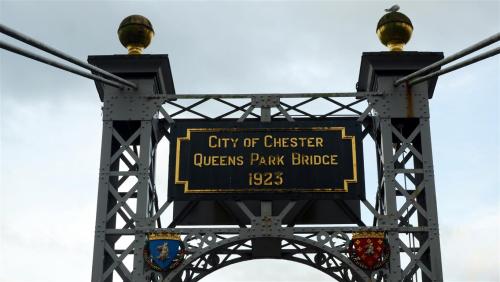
(135, 33)
(394, 29)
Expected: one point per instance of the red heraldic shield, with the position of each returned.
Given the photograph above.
(369, 250)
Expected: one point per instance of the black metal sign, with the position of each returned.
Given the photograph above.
(276, 160)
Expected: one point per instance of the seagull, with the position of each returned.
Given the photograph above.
(394, 8)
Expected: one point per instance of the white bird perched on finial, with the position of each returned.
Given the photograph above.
(394, 8)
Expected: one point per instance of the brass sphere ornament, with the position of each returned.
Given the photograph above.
(394, 29)
(135, 33)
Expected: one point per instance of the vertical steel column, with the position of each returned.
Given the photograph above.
(143, 198)
(390, 219)
(433, 259)
(100, 260)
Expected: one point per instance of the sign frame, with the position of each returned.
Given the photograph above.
(349, 129)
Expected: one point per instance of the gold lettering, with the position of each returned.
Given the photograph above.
(280, 161)
(284, 142)
(295, 159)
(207, 161)
(246, 142)
(266, 139)
(210, 139)
(302, 159)
(333, 160)
(216, 142)
(223, 160)
(305, 159)
(197, 159)
(310, 142)
(302, 140)
(215, 160)
(262, 161)
(265, 178)
(319, 141)
(239, 160)
(272, 159)
(234, 141)
(254, 157)
(231, 160)
(292, 142)
(277, 142)
(201, 160)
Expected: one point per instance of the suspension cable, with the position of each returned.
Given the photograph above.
(39, 58)
(462, 64)
(486, 42)
(32, 42)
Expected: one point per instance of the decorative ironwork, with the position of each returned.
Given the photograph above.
(128, 194)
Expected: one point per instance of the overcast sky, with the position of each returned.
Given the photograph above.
(51, 120)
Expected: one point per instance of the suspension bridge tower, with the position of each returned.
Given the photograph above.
(266, 164)
(265, 176)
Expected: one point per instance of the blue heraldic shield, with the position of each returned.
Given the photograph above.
(164, 251)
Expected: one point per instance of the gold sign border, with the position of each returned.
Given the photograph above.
(246, 190)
